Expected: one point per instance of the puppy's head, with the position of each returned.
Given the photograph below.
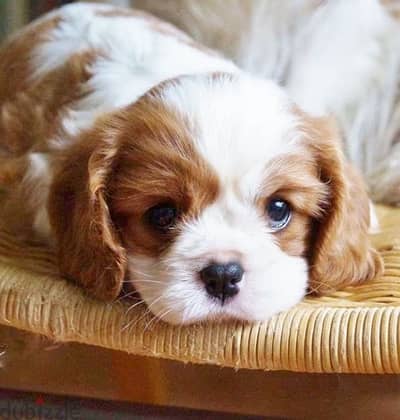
(215, 197)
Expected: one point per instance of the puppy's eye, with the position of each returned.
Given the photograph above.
(279, 213)
(162, 217)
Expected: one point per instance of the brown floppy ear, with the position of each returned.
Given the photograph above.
(88, 246)
(341, 252)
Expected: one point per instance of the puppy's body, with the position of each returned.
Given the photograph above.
(145, 157)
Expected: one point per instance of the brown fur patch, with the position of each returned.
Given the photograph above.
(15, 74)
(159, 164)
(330, 217)
(341, 253)
(15, 54)
(13, 216)
(12, 171)
(294, 178)
(32, 117)
(31, 109)
(21, 190)
(88, 246)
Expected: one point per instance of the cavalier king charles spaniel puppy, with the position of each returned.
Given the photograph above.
(145, 158)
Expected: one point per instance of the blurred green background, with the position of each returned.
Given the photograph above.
(16, 13)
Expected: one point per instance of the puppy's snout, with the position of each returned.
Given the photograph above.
(221, 280)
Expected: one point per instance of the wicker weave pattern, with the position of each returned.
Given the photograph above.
(353, 330)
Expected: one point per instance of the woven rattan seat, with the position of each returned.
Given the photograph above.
(352, 330)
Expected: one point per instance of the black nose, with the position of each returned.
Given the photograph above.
(221, 279)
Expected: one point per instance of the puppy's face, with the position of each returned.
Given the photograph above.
(213, 196)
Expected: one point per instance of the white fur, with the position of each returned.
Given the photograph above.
(374, 222)
(236, 137)
(37, 179)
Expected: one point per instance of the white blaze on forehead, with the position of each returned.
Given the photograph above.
(226, 225)
(239, 124)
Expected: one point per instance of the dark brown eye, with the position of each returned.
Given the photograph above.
(162, 217)
(279, 213)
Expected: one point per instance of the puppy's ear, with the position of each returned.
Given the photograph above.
(341, 252)
(88, 245)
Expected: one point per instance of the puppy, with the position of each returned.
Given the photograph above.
(146, 158)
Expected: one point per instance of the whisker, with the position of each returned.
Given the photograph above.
(148, 281)
(315, 289)
(147, 311)
(142, 274)
(157, 319)
(134, 305)
(150, 322)
(122, 297)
